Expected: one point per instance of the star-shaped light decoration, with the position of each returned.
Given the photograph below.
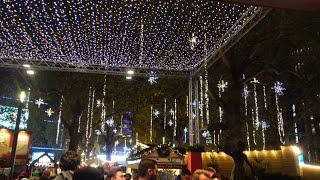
(171, 112)
(39, 102)
(193, 41)
(193, 115)
(156, 113)
(98, 132)
(110, 122)
(246, 91)
(98, 103)
(185, 130)
(115, 130)
(264, 125)
(255, 81)
(222, 85)
(49, 112)
(278, 88)
(206, 134)
(153, 78)
(170, 123)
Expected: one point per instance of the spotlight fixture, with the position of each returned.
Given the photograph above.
(130, 72)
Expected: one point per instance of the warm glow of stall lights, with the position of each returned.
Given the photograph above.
(94, 165)
(296, 150)
(23, 136)
(128, 77)
(30, 72)
(310, 166)
(130, 72)
(26, 65)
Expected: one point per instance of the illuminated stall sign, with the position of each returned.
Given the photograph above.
(44, 161)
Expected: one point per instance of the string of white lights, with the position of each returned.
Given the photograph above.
(59, 120)
(206, 96)
(278, 89)
(201, 101)
(265, 97)
(88, 117)
(165, 114)
(175, 118)
(151, 125)
(295, 123)
(91, 113)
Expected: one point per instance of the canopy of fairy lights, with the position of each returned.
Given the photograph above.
(157, 35)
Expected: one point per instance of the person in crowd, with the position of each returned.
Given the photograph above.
(87, 173)
(147, 170)
(212, 171)
(115, 174)
(184, 175)
(201, 174)
(239, 158)
(69, 162)
(127, 176)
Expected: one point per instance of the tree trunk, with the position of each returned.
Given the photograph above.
(75, 138)
(232, 114)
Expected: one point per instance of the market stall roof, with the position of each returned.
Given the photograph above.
(165, 37)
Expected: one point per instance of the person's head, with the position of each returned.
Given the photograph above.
(185, 174)
(212, 171)
(201, 174)
(147, 168)
(115, 174)
(127, 176)
(87, 173)
(70, 161)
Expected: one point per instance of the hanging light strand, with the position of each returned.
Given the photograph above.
(175, 118)
(59, 120)
(88, 116)
(201, 101)
(165, 114)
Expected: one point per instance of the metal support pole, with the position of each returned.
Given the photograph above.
(196, 111)
(191, 133)
(15, 140)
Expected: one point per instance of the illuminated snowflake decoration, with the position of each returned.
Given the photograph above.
(255, 81)
(99, 103)
(98, 132)
(222, 85)
(110, 122)
(156, 113)
(194, 103)
(115, 131)
(194, 115)
(153, 78)
(245, 92)
(170, 123)
(206, 134)
(185, 130)
(264, 125)
(278, 88)
(49, 112)
(171, 112)
(39, 102)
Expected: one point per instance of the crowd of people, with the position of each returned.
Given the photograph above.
(147, 170)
